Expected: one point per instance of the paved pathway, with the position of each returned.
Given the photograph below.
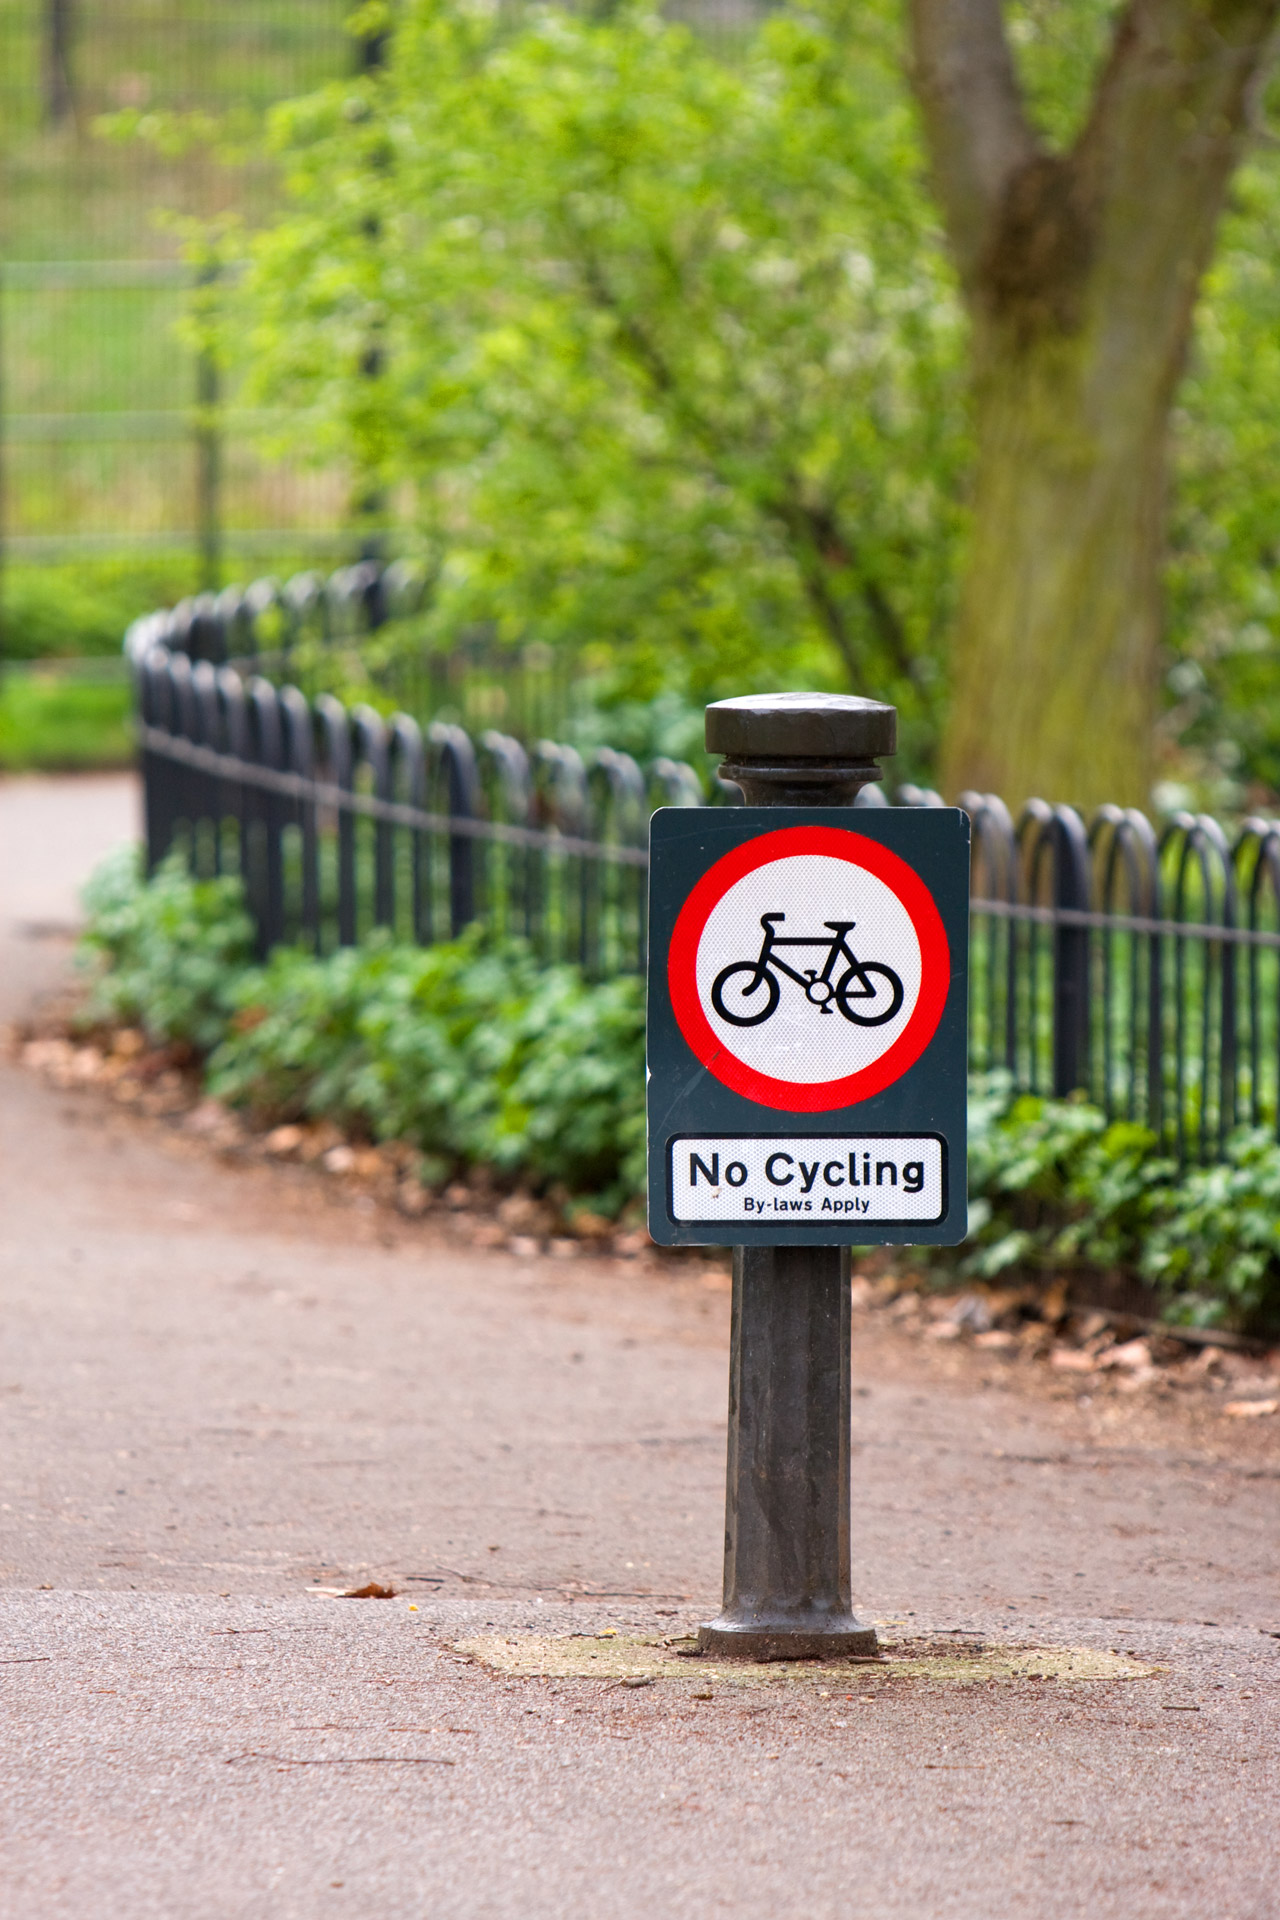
(222, 1391)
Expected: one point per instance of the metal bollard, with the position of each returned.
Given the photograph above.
(787, 1573)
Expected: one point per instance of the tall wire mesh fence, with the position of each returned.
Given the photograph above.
(116, 434)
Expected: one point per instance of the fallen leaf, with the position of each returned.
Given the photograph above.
(1072, 1360)
(591, 1226)
(371, 1592)
(283, 1141)
(1134, 1354)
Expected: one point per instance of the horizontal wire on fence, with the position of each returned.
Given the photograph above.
(1125, 923)
(396, 813)
(296, 786)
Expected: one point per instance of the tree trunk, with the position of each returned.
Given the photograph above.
(1080, 270)
(1055, 646)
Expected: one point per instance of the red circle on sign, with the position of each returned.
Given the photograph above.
(795, 1096)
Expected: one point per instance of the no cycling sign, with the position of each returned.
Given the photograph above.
(807, 1025)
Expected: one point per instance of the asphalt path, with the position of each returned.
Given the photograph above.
(230, 1392)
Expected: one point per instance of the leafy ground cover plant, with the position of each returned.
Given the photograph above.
(481, 1058)
(1053, 1184)
(166, 954)
(468, 1050)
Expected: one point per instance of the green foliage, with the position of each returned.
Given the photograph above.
(82, 607)
(1215, 1243)
(664, 351)
(467, 1049)
(166, 954)
(665, 347)
(51, 719)
(481, 1057)
(1224, 598)
(1053, 1185)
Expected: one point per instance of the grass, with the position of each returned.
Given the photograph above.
(64, 717)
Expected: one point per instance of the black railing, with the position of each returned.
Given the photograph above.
(340, 821)
(312, 629)
(1138, 964)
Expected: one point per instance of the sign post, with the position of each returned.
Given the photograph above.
(807, 1055)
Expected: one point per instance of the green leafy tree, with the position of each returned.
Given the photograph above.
(670, 360)
(668, 356)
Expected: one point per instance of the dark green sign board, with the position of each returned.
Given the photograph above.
(808, 1025)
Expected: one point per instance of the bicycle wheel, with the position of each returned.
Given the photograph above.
(734, 1009)
(878, 998)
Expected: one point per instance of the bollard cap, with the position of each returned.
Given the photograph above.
(834, 727)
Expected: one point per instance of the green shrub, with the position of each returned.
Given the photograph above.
(167, 954)
(1054, 1185)
(1214, 1246)
(575, 1102)
(467, 1049)
(479, 1056)
(82, 607)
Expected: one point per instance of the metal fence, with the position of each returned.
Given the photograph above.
(312, 628)
(117, 436)
(340, 821)
(1135, 962)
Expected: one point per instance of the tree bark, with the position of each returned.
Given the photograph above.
(1080, 271)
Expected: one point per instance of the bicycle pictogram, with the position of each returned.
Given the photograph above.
(867, 993)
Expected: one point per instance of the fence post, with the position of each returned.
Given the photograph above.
(1070, 954)
(208, 439)
(465, 854)
(154, 695)
(266, 878)
(300, 759)
(335, 733)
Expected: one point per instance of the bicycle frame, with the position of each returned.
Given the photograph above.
(837, 948)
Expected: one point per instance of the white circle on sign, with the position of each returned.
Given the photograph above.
(805, 1037)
